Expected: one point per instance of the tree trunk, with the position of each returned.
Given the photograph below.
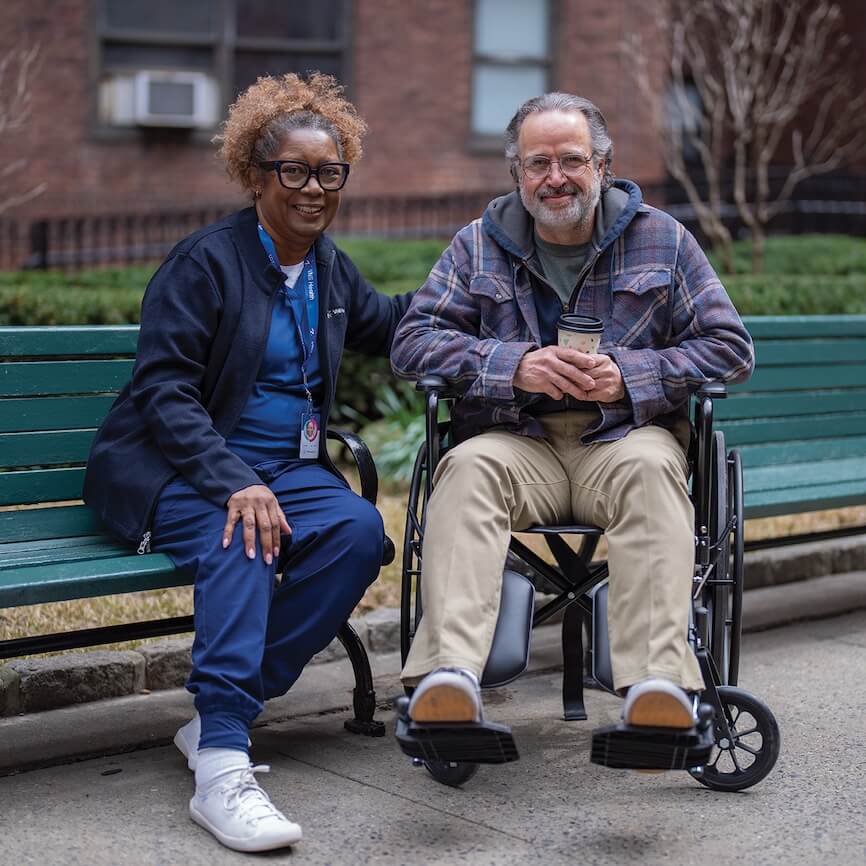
(758, 245)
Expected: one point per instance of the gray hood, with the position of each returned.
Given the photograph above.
(508, 222)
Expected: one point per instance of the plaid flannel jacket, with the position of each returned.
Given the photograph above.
(668, 322)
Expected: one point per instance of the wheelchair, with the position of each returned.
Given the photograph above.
(736, 741)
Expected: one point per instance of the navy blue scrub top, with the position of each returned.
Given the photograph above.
(270, 424)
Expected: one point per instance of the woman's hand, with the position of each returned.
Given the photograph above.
(256, 506)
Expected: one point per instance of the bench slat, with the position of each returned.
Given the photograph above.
(65, 521)
(31, 378)
(806, 475)
(788, 352)
(71, 550)
(801, 451)
(749, 431)
(804, 377)
(789, 404)
(38, 584)
(45, 449)
(65, 340)
(781, 327)
(774, 502)
(40, 485)
(22, 414)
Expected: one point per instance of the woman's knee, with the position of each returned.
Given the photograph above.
(362, 532)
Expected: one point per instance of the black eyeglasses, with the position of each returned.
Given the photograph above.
(294, 174)
(572, 165)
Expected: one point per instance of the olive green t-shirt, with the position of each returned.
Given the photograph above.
(562, 264)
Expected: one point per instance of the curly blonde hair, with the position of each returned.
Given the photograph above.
(262, 115)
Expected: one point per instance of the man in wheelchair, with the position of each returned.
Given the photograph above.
(548, 434)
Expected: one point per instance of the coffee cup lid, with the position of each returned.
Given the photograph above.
(581, 324)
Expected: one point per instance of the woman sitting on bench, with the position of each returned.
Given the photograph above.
(214, 453)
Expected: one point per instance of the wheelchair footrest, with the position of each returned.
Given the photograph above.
(640, 748)
(479, 743)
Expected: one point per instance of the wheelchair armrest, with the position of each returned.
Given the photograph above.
(363, 460)
(713, 390)
(435, 383)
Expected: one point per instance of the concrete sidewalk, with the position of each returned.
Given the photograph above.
(360, 801)
(121, 797)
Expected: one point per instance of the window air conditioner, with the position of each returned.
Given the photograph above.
(174, 98)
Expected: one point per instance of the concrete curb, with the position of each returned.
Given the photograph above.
(33, 685)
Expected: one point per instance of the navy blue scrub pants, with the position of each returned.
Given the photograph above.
(253, 635)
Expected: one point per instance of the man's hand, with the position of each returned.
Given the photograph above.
(557, 371)
(609, 386)
(256, 506)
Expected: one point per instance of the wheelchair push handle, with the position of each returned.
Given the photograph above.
(435, 388)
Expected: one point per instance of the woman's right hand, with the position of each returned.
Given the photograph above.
(256, 506)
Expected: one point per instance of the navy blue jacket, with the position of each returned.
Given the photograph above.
(204, 327)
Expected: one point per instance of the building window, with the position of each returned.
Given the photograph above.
(511, 60)
(168, 63)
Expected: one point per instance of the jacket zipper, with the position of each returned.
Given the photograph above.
(144, 547)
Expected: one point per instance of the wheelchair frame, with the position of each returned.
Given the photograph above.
(716, 622)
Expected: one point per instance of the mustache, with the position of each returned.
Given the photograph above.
(547, 190)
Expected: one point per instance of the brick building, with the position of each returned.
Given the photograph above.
(436, 81)
(127, 95)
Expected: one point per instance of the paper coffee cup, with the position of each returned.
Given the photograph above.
(579, 332)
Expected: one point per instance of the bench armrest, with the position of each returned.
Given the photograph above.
(368, 475)
(363, 460)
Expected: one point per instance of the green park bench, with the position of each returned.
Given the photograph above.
(800, 421)
(56, 386)
(800, 424)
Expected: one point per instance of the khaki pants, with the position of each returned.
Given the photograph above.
(634, 488)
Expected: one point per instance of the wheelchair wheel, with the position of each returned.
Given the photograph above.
(412, 538)
(717, 596)
(451, 773)
(735, 493)
(752, 750)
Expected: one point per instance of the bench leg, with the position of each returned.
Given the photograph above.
(363, 696)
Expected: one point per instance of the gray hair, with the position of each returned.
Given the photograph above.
(271, 137)
(602, 146)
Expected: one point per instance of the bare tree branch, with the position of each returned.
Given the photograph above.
(17, 69)
(765, 71)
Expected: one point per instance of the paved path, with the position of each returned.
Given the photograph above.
(360, 801)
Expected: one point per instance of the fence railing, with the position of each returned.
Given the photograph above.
(137, 238)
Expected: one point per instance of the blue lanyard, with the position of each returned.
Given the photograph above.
(311, 296)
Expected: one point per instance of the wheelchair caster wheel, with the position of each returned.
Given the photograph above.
(451, 773)
(748, 755)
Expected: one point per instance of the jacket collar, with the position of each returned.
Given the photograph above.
(246, 237)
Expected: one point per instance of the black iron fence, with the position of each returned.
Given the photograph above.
(821, 205)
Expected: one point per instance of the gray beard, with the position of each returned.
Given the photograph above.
(579, 213)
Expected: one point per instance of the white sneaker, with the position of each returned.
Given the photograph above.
(658, 703)
(241, 815)
(447, 695)
(186, 740)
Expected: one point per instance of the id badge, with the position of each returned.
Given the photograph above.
(310, 432)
